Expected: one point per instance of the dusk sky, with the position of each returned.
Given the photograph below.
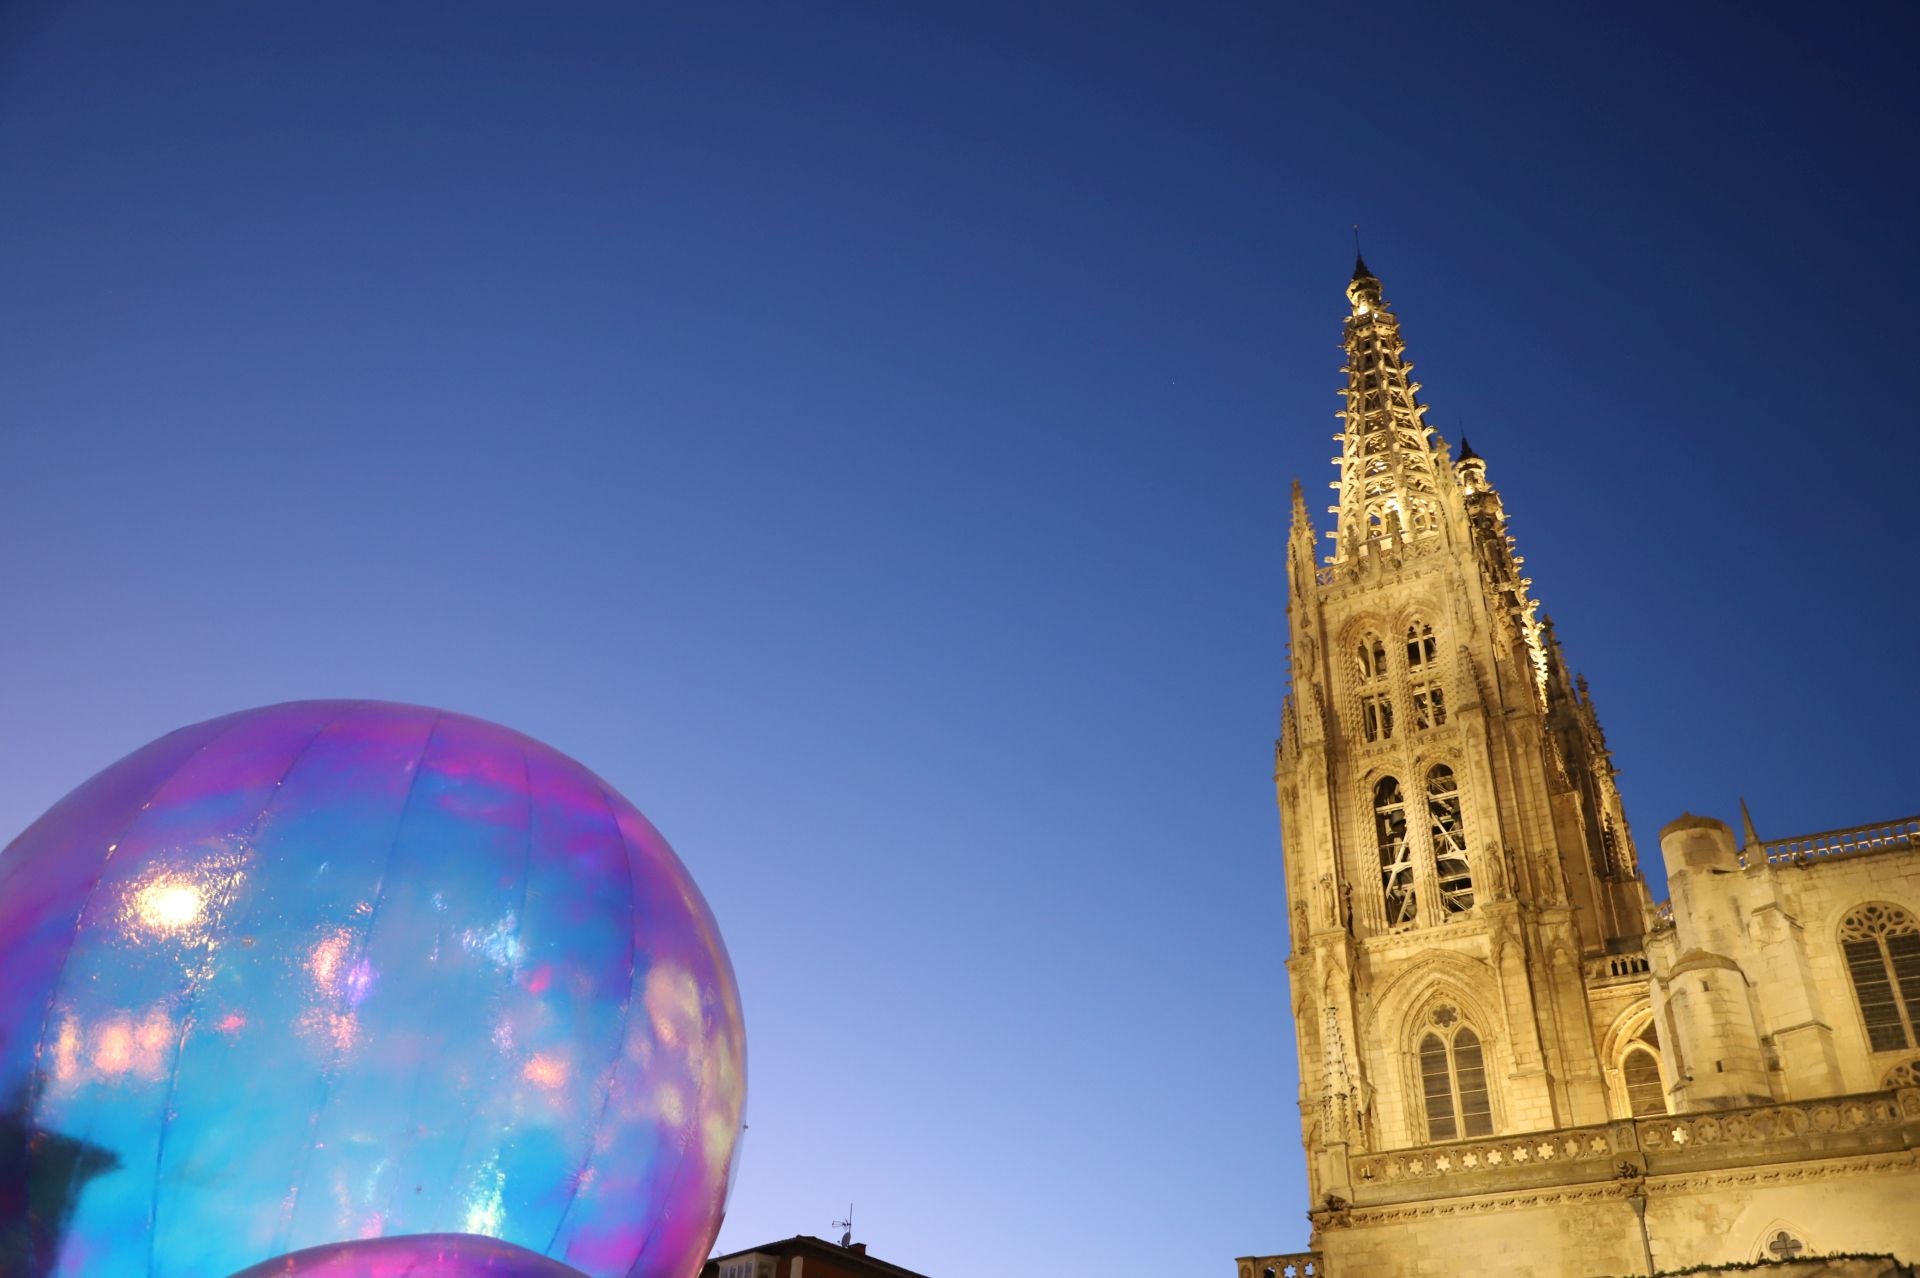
(861, 432)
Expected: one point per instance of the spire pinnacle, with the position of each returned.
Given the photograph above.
(1749, 837)
(1389, 473)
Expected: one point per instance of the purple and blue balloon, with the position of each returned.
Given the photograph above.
(335, 971)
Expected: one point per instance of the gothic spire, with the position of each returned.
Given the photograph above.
(1388, 474)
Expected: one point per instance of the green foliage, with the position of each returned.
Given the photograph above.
(1824, 1258)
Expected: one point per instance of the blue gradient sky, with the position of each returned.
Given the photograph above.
(861, 432)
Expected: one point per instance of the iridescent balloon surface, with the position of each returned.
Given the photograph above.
(340, 970)
(413, 1256)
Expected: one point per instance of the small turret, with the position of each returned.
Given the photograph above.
(1704, 989)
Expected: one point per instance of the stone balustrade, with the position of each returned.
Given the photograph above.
(1767, 1123)
(1600, 1145)
(1833, 1126)
(1852, 841)
(1618, 967)
(1297, 1264)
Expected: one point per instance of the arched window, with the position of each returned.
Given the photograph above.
(1882, 946)
(1396, 854)
(1453, 1082)
(1420, 646)
(1376, 699)
(1447, 826)
(1645, 1095)
(1640, 1073)
(1373, 657)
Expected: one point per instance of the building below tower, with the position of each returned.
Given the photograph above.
(1511, 1060)
(804, 1256)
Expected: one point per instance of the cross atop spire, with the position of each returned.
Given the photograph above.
(1389, 473)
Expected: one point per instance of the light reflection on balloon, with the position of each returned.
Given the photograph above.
(340, 970)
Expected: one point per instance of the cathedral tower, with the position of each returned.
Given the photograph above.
(1456, 854)
(1511, 1061)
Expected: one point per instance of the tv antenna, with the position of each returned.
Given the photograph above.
(846, 1239)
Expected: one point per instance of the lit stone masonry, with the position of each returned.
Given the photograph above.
(1303, 1264)
(1512, 1060)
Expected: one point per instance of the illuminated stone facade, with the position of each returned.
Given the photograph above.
(1512, 1061)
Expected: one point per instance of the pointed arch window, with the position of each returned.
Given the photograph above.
(1882, 947)
(1373, 657)
(1396, 852)
(1376, 699)
(1453, 1083)
(1447, 829)
(1421, 646)
(1641, 1072)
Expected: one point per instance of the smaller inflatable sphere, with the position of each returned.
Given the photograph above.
(333, 971)
(413, 1256)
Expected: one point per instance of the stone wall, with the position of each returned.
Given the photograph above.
(1838, 1175)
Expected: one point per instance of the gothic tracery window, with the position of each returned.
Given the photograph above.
(1784, 1246)
(1645, 1095)
(1373, 657)
(1640, 1071)
(1447, 828)
(1396, 851)
(1453, 1083)
(1376, 698)
(1882, 947)
(1421, 647)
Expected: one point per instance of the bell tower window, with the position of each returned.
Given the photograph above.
(1421, 648)
(1396, 853)
(1882, 947)
(1373, 658)
(1453, 1083)
(1376, 699)
(1447, 826)
(1429, 706)
(1376, 716)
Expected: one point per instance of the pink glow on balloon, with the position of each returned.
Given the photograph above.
(413, 1256)
(331, 969)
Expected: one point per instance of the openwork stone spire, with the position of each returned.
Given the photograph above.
(1388, 469)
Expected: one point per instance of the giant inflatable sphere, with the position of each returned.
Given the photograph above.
(413, 1256)
(331, 971)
